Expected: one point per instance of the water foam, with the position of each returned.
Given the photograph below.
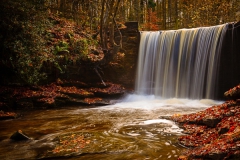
(152, 102)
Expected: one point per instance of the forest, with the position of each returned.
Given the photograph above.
(151, 14)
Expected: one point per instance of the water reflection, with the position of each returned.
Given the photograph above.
(128, 130)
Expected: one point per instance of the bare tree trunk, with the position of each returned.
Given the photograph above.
(169, 17)
(101, 25)
(114, 16)
(62, 6)
(136, 10)
(176, 14)
(164, 13)
(141, 12)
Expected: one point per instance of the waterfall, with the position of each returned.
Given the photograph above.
(179, 63)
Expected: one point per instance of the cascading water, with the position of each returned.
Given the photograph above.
(179, 63)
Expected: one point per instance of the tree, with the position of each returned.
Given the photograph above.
(108, 23)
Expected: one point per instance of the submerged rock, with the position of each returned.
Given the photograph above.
(7, 115)
(19, 136)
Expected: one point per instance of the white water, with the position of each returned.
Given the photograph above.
(180, 63)
(149, 109)
(151, 102)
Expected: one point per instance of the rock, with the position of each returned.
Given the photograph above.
(211, 122)
(233, 93)
(114, 90)
(19, 136)
(165, 117)
(217, 156)
(223, 131)
(70, 83)
(219, 139)
(182, 157)
(7, 115)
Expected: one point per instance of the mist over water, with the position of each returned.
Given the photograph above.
(152, 102)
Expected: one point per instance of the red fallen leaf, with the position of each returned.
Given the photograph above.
(232, 128)
(71, 143)
(92, 100)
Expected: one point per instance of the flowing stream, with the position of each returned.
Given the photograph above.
(131, 129)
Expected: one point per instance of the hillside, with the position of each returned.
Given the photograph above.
(37, 45)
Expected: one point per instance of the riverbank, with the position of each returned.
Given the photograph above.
(213, 133)
(57, 94)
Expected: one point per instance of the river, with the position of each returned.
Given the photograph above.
(129, 129)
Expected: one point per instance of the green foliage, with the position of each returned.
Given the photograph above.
(23, 30)
(23, 39)
(151, 4)
(35, 43)
(62, 47)
(82, 46)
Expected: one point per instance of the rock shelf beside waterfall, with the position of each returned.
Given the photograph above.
(58, 94)
(233, 93)
(213, 133)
